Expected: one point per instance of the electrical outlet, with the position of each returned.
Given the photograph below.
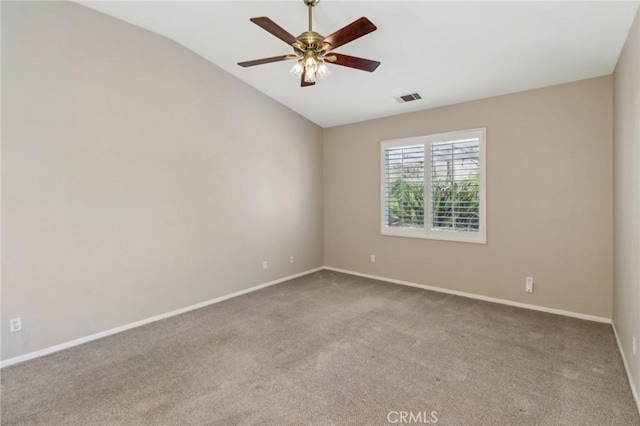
(265, 264)
(372, 259)
(292, 259)
(633, 344)
(528, 285)
(15, 324)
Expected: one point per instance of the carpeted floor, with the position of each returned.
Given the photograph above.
(330, 348)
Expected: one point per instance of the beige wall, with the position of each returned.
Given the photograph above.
(626, 149)
(138, 178)
(549, 199)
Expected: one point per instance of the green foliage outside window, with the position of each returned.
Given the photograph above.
(406, 204)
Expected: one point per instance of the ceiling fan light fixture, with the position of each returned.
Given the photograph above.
(297, 69)
(310, 77)
(310, 66)
(323, 70)
(310, 62)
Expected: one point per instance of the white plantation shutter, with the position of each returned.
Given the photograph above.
(403, 184)
(454, 185)
(437, 180)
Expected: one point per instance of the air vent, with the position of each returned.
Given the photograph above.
(411, 97)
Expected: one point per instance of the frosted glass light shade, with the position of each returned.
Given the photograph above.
(323, 70)
(297, 69)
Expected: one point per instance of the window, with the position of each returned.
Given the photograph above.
(434, 186)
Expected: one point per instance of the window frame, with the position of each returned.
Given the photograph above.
(427, 141)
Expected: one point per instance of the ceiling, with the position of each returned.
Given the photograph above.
(449, 52)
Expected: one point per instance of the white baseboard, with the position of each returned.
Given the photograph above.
(477, 296)
(76, 342)
(72, 343)
(634, 391)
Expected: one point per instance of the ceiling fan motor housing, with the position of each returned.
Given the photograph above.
(311, 39)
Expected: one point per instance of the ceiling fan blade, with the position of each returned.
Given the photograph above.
(304, 83)
(353, 62)
(275, 29)
(354, 30)
(266, 60)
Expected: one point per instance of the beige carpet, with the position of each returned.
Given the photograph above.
(330, 348)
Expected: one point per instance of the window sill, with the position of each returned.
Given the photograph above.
(459, 237)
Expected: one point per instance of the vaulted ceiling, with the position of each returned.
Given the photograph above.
(448, 52)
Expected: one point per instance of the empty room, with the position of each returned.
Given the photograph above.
(327, 212)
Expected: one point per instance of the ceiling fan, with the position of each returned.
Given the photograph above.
(312, 50)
